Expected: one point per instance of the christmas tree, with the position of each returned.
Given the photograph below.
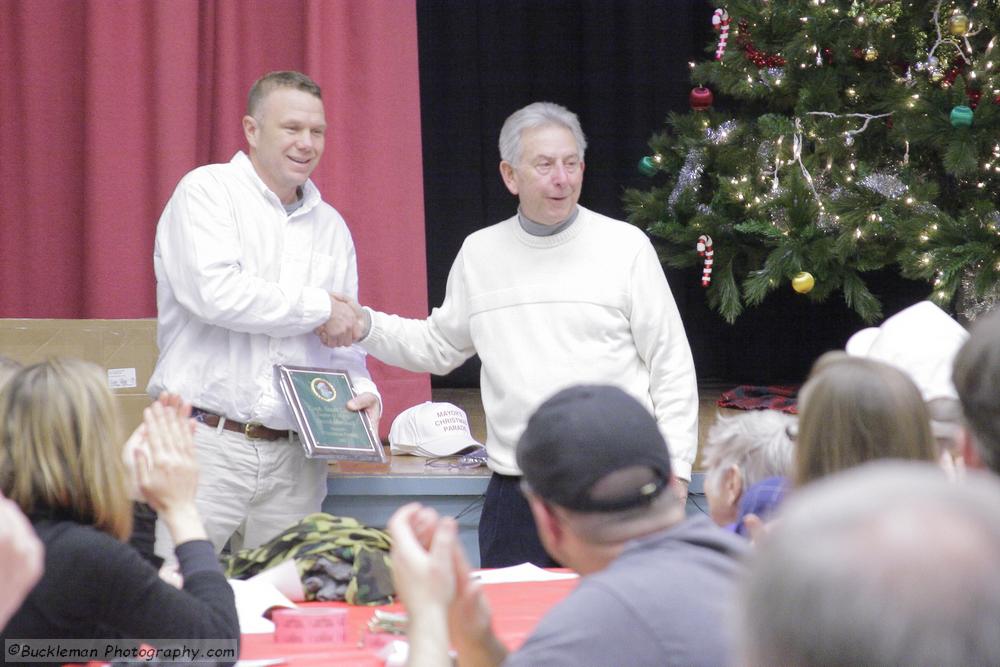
(849, 136)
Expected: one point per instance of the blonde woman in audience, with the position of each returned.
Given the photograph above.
(853, 410)
(21, 551)
(747, 458)
(61, 461)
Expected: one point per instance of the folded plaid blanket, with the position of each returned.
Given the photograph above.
(758, 397)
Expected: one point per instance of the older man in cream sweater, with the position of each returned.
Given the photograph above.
(554, 296)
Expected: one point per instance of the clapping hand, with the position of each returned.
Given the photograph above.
(21, 558)
(167, 469)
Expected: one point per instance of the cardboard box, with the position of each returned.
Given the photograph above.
(126, 349)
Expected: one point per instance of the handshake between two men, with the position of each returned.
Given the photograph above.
(348, 322)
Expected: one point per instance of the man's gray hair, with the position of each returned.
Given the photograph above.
(976, 374)
(759, 443)
(538, 114)
(889, 563)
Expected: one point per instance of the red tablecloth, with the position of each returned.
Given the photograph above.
(516, 610)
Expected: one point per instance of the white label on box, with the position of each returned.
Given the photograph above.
(121, 378)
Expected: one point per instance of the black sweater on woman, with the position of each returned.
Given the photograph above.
(97, 587)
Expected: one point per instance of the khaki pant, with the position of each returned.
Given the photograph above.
(250, 490)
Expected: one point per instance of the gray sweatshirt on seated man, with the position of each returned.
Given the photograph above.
(656, 586)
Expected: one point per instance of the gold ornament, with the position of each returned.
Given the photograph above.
(958, 24)
(936, 75)
(803, 282)
(871, 54)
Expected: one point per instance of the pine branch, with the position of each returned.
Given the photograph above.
(859, 297)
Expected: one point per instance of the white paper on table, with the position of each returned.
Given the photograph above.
(284, 577)
(395, 653)
(519, 573)
(253, 598)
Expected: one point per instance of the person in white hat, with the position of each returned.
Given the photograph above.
(922, 341)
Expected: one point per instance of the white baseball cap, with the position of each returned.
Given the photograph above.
(431, 429)
(922, 341)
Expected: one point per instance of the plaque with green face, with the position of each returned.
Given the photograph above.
(328, 430)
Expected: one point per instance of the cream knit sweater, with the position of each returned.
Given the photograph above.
(587, 305)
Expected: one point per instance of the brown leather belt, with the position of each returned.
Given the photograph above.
(251, 431)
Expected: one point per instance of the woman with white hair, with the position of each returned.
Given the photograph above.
(748, 456)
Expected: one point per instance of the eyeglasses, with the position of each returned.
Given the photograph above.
(457, 463)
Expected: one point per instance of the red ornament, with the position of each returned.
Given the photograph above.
(996, 100)
(700, 98)
(827, 55)
(974, 96)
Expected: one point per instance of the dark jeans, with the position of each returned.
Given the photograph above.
(507, 534)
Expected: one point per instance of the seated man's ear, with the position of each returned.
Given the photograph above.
(732, 485)
(547, 521)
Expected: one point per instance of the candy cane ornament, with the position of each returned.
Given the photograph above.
(720, 22)
(705, 250)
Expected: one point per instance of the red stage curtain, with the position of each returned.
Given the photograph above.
(105, 104)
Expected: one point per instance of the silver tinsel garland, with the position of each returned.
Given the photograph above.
(968, 304)
(779, 217)
(721, 134)
(765, 156)
(826, 222)
(885, 184)
(689, 175)
(770, 76)
(694, 163)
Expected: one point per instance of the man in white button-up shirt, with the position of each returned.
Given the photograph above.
(247, 256)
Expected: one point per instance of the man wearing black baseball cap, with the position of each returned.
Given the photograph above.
(656, 584)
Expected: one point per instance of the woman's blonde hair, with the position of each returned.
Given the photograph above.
(60, 445)
(855, 410)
